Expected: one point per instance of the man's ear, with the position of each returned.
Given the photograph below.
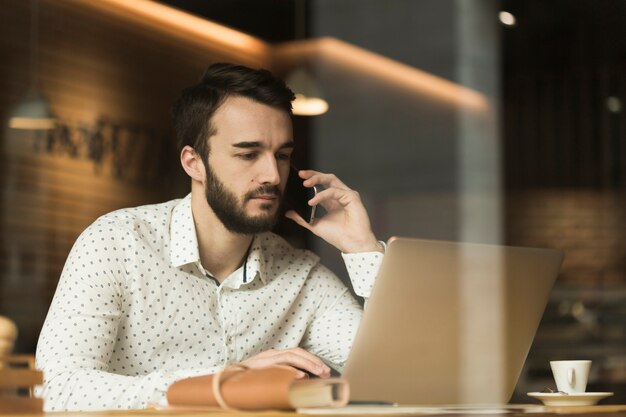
(192, 164)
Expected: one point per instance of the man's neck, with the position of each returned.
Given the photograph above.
(221, 251)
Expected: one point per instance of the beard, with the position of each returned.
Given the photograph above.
(232, 213)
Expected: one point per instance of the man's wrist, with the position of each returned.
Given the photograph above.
(372, 246)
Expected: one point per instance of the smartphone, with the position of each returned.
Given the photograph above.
(297, 196)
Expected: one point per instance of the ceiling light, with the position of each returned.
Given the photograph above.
(614, 104)
(309, 101)
(507, 19)
(32, 112)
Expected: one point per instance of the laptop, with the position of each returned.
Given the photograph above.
(449, 323)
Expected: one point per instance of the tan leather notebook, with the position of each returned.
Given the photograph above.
(271, 388)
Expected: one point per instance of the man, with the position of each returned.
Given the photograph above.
(157, 293)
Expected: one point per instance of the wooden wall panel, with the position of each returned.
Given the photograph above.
(558, 131)
(93, 66)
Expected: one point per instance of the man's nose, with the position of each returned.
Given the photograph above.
(269, 171)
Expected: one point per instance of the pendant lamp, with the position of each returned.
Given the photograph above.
(33, 111)
(309, 101)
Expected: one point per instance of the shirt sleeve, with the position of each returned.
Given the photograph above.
(363, 268)
(331, 332)
(80, 331)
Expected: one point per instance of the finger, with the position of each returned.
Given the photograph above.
(296, 358)
(310, 364)
(334, 195)
(312, 178)
(313, 366)
(307, 356)
(291, 214)
(305, 174)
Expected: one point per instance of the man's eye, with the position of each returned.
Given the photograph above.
(283, 156)
(248, 156)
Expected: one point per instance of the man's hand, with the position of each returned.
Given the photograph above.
(346, 225)
(296, 358)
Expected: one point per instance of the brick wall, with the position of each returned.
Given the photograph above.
(588, 225)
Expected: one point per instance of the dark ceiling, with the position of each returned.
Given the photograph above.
(548, 33)
(555, 35)
(270, 20)
(565, 33)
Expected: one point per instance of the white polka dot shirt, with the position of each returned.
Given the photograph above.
(134, 309)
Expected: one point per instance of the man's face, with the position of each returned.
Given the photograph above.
(248, 164)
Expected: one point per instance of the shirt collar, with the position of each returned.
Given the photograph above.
(255, 264)
(184, 243)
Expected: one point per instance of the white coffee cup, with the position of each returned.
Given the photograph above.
(571, 376)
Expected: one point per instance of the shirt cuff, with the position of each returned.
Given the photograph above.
(363, 268)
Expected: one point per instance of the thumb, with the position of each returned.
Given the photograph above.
(291, 214)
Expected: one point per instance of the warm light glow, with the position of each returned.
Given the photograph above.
(31, 123)
(243, 48)
(309, 106)
(366, 62)
(507, 18)
(229, 42)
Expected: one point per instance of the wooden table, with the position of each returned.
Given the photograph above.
(537, 411)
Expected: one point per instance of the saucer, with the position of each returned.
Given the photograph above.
(557, 399)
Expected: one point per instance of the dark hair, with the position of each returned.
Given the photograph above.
(194, 108)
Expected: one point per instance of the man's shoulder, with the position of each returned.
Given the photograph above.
(137, 219)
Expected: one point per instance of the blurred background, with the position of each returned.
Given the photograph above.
(475, 120)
